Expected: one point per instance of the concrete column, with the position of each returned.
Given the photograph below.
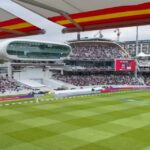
(62, 72)
(141, 47)
(9, 70)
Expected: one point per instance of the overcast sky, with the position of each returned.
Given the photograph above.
(53, 31)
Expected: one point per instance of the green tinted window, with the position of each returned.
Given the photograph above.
(38, 50)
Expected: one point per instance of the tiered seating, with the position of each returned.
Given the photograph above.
(147, 79)
(7, 84)
(96, 50)
(86, 80)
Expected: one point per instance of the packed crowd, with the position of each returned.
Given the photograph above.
(87, 80)
(7, 84)
(147, 80)
(97, 50)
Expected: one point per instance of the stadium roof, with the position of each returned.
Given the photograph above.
(12, 26)
(84, 15)
(91, 39)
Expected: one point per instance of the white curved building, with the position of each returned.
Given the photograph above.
(32, 50)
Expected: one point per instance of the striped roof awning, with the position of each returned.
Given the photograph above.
(84, 15)
(12, 26)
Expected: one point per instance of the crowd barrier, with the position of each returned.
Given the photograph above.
(29, 95)
(9, 98)
(76, 92)
(98, 90)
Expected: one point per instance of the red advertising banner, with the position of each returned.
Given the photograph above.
(125, 65)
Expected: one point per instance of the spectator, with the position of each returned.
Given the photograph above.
(87, 80)
(96, 50)
(7, 84)
(147, 79)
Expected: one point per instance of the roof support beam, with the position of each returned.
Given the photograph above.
(61, 12)
(71, 20)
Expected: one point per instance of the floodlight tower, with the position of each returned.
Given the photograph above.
(137, 40)
(99, 34)
(118, 34)
(137, 48)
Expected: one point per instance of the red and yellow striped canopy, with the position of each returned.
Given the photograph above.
(11, 26)
(91, 14)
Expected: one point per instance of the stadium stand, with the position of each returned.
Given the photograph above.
(96, 50)
(101, 79)
(93, 63)
(147, 79)
(8, 85)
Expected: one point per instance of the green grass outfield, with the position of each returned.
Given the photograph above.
(103, 122)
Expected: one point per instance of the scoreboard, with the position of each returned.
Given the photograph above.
(125, 65)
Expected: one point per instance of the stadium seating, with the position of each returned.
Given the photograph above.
(96, 50)
(86, 80)
(8, 85)
(91, 60)
(147, 79)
